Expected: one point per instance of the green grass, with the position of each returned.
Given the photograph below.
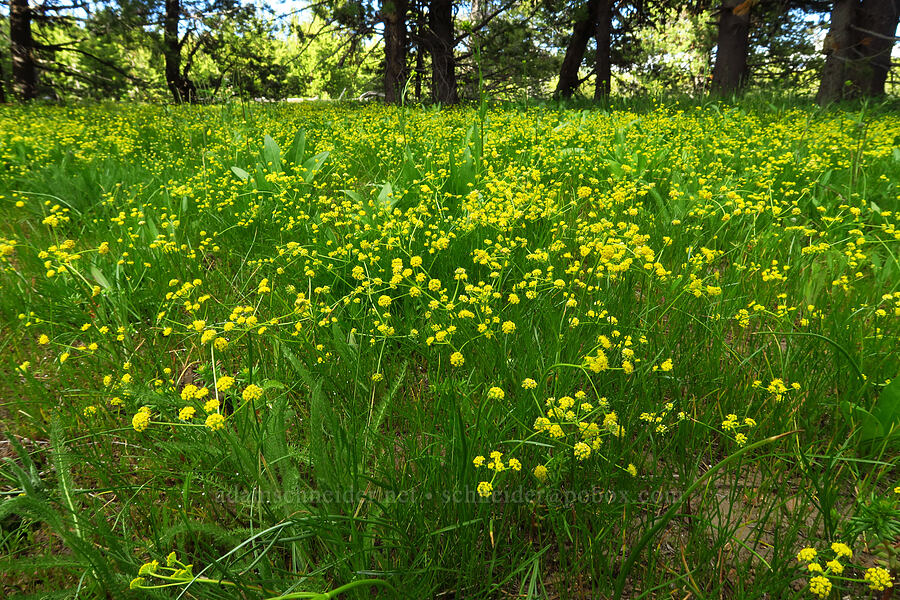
(702, 301)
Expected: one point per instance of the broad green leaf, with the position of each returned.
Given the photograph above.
(385, 197)
(313, 165)
(298, 148)
(271, 155)
(242, 174)
(100, 278)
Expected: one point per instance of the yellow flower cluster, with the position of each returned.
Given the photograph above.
(252, 392)
(141, 419)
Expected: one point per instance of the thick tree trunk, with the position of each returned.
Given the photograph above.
(443, 63)
(584, 27)
(730, 72)
(24, 70)
(876, 24)
(180, 85)
(602, 61)
(858, 48)
(839, 51)
(395, 48)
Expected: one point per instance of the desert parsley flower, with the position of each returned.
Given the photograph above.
(141, 420)
(840, 549)
(878, 579)
(806, 555)
(485, 489)
(820, 586)
(582, 451)
(252, 392)
(215, 422)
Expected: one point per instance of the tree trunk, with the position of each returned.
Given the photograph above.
(730, 72)
(443, 63)
(839, 50)
(24, 70)
(584, 27)
(418, 35)
(395, 47)
(2, 85)
(602, 62)
(876, 24)
(858, 48)
(180, 85)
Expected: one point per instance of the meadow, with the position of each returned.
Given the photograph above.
(331, 350)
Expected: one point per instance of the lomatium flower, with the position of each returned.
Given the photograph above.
(841, 549)
(496, 393)
(485, 489)
(878, 579)
(807, 555)
(820, 586)
(141, 419)
(252, 392)
(215, 422)
(835, 567)
(597, 363)
(582, 451)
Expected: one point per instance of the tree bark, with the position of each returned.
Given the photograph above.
(418, 35)
(179, 84)
(443, 63)
(602, 61)
(876, 24)
(730, 72)
(2, 86)
(24, 70)
(838, 48)
(858, 48)
(395, 48)
(582, 30)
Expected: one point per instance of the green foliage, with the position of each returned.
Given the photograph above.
(286, 350)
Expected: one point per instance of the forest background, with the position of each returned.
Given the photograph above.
(443, 50)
